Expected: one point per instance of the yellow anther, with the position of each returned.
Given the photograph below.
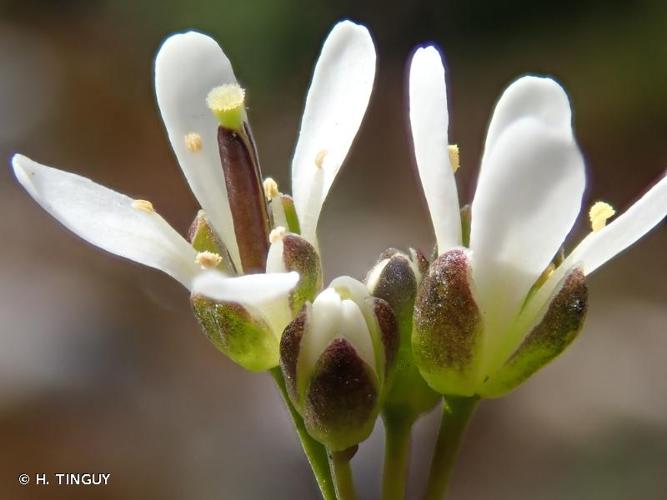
(319, 158)
(599, 213)
(144, 206)
(277, 234)
(193, 142)
(454, 157)
(227, 104)
(208, 260)
(270, 188)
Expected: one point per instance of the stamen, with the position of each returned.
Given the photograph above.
(193, 142)
(144, 206)
(319, 158)
(208, 260)
(270, 188)
(227, 104)
(454, 157)
(277, 234)
(599, 213)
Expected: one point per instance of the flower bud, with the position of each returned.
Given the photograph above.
(560, 323)
(291, 252)
(447, 335)
(241, 334)
(394, 279)
(335, 356)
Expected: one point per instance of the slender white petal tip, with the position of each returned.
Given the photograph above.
(429, 122)
(187, 67)
(107, 219)
(335, 106)
(250, 289)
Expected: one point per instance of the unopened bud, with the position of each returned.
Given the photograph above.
(394, 279)
(447, 326)
(560, 324)
(291, 252)
(334, 358)
(244, 336)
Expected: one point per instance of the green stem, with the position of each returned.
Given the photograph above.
(339, 463)
(396, 456)
(456, 413)
(315, 452)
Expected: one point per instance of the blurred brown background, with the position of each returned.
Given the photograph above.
(102, 367)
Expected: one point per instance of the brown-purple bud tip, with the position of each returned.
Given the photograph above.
(447, 326)
(394, 279)
(560, 324)
(340, 406)
(300, 256)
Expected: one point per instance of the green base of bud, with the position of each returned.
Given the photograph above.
(233, 330)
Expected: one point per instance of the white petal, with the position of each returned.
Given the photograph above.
(530, 96)
(335, 106)
(354, 328)
(600, 246)
(325, 316)
(107, 219)
(528, 197)
(429, 121)
(275, 263)
(187, 67)
(351, 288)
(249, 289)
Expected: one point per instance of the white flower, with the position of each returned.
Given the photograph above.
(188, 66)
(528, 196)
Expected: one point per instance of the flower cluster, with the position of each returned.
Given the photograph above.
(497, 301)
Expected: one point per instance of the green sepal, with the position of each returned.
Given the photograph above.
(447, 327)
(559, 326)
(341, 400)
(290, 214)
(242, 336)
(203, 238)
